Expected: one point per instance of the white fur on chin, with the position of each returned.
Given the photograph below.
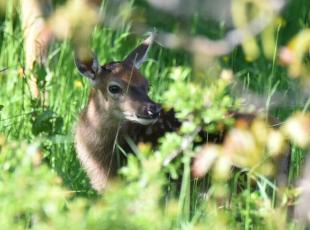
(141, 121)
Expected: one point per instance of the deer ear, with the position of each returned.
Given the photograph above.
(139, 54)
(87, 65)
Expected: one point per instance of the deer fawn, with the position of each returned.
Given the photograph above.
(118, 107)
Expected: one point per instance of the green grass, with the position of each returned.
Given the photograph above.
(23, 119)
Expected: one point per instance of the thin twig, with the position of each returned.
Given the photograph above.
(187, 140)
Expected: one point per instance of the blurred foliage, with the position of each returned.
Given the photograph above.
(296, 54)
(32, 196)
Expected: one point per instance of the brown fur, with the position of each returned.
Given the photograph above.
(95, 137)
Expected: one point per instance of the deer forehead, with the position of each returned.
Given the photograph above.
(129, 75)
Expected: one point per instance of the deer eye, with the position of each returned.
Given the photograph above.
(115, 89)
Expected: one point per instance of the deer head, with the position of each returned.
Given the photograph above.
(121, 90)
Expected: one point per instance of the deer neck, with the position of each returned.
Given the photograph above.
(104, 125)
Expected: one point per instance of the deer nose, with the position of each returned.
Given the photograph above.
(153, 110)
